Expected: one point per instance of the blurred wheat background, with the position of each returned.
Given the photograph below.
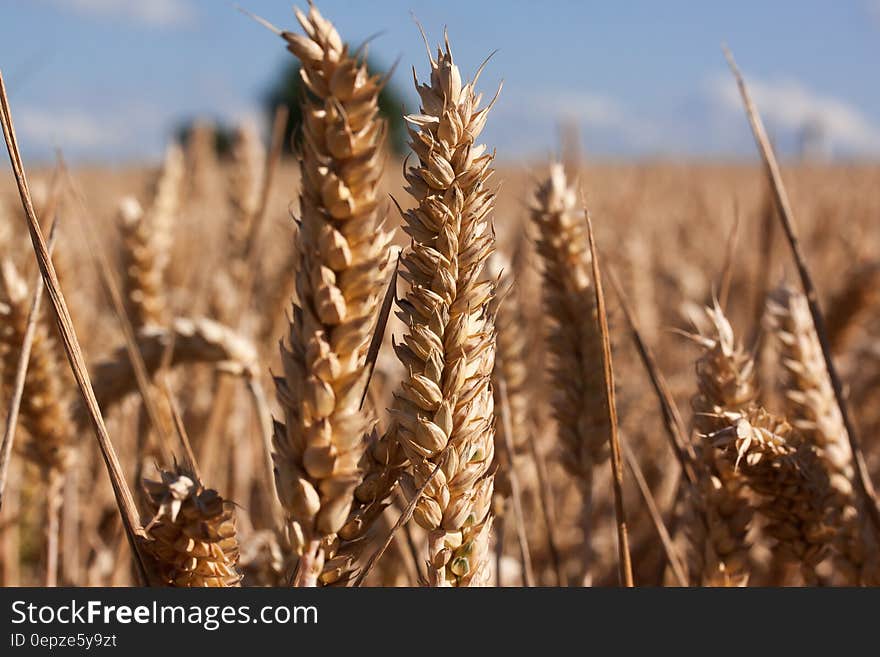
(475, 408)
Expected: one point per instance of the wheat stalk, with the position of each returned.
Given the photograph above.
(343, 255)
(233, 284)
(198, 164)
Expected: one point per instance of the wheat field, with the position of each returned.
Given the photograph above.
(346, 369)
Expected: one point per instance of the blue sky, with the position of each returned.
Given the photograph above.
(108, 79)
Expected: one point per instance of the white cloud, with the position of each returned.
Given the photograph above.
(128, 130)
(124, 130)
(790, 106)
(595, 112)
(159, 13)
(592, 108)
(67, 129)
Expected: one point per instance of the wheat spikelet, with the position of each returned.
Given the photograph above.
(191, 537)
(142, 275)
(444, 409)
(343, 257)
(195, 341)
(573, 340)
(785, 471)
(813, 411)
(725, 383)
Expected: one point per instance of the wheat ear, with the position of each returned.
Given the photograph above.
(44, 410)
(725, 383)
(786, 472)
(248, 163)
(574, 342)
(194, 341)
(343, 255)
(813, 411)
(444, 409)
(141, 268)
(164, 210)
(191, 539)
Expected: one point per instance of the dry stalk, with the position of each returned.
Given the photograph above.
(672, 557)
(624, 560)
(672, 420)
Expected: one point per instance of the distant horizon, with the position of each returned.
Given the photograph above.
(107, 81)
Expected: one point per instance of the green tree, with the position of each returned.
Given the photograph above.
(288, 88)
